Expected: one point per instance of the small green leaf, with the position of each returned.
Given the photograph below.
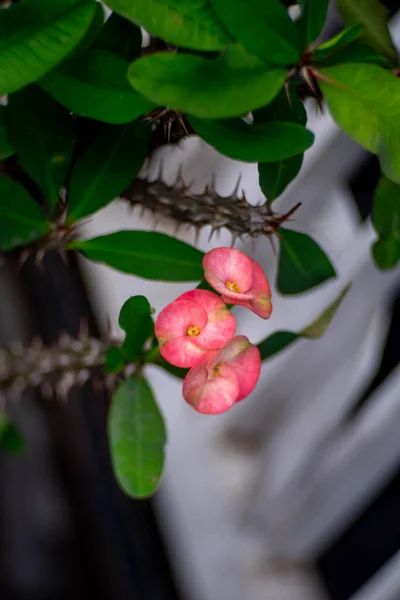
(41, 133)
(337, 42)
(302, 263)
(352, 53)
(121, 37)
(373, 16)
(114, 360)
(229, 86)
(185, 23)
(22, 221)
(135, 319)
(365, 101)
(279, 340)
(108, 167)
(264, 28)
(6, 149)
(35, 35)
(386, 221)
(312, 19)
(137, 438)
(237, 139)
(11, 439)
(274, 177)
(94, 85)
(148, 254)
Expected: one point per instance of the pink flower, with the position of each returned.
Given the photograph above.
(239, 279)
(197, 321)
(223, 377)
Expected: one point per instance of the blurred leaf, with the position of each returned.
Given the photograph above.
(148, 254)
(281, 339)
(312, 20)
(302, 263)
(91, 34)
(114, 360)
(274, 177)
(121, 37)
(185, 23)
(41, 133)
(135, 319)
(35, 35)
(229, 86)
(11, 440)
(373, 16)
(112, 162)
(273, 141)
(352, 53)
(264, 28)
(386, 221)
(6, 149)
(338, 41)
(137, 438)
(22, 221)
(365, 101)
(94, 85)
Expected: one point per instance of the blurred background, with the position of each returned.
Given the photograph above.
(292, 495)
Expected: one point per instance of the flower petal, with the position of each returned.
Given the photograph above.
(223, 265)
(244, 358)
(174, 320)
(182, 352)
(211, 395)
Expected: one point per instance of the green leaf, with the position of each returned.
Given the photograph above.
(91, 34)
(386, 221)
(373, 16)
(114, 360)
(94, 85)
(35, 35)
(365, 101)
(22, 221)
(274, 177)
(107, 168)
(312, 19)
(121, 37)
(137, 438)
(148, 254)
(185, 23)
(302, 263)
(6, 149)
(352, 53)
(281, 339)
(229, 86)
(135, 319)
(337, 42)
(11, 440)
(264, 28)
(41, 133)
(273, 141)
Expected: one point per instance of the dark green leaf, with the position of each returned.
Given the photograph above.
(135, 319)
(137, 438)
(185, 23)
(281, 339)
(22, 221)
(302, 263)
(274, 177)
(108, 167)
(264, 28)
(353, 53)
(386, 221)
(94, 85)
(312, 19)
(120, 37)
(365, 101)
(11, 440)
(35, 35)
(114, 360)
(148, 254)
(237, 139)
(41, 134)
(91, 34)
(337, 42)
(6, 148)
(373, 16)
(229, 86)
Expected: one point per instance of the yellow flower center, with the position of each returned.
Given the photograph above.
(216, 371)
(193, 330)
(233, 287)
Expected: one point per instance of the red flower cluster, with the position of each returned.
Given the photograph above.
(198, 331)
